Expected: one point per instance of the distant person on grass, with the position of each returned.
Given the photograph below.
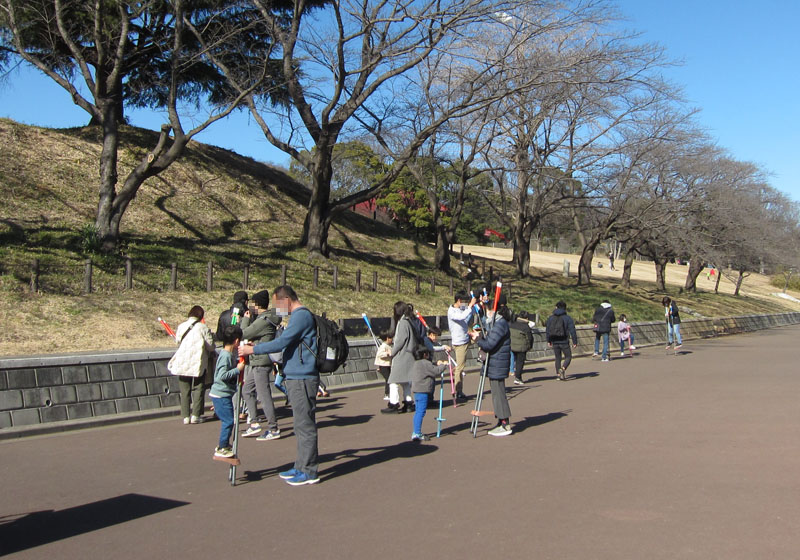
(298, 342)
(559, 329)
(226, 374)
(193, 363)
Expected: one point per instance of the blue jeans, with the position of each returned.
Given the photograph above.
(622, 343)
(597, 336)
(223, 407)
(511, 370)
(677, 329)
(421, 402)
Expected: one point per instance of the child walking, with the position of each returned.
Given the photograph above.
(423, 380)
(624, 334)
(224, 387)
(383, 360)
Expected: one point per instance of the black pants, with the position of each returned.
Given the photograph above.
(385, 371)
(519, 363)
(499, 400)
(566, 350)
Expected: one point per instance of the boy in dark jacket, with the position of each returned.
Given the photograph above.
(559, 329)
(603, 317)
(423, 380)
(260, 326)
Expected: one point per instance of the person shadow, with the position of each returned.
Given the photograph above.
(350, 461)
(579, 376)
(533, 421)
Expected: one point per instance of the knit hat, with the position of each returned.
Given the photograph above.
(261, 299)
(240, 297)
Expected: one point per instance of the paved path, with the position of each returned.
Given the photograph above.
(689, 456)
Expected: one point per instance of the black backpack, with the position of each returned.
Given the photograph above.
(557, 328)
(332, 347)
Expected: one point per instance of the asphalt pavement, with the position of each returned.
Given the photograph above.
(694, 455)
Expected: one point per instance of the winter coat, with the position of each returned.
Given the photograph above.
(195, 349)
(226, 318)
(405, 343)
(521, 336)
(383, 357)
(498, 347)
(603, 317)
(260, 329)
(423, 376)
(569, 328)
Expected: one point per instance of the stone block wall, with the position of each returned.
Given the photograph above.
(79, 386)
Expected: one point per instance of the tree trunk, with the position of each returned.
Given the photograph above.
(661, 274)
(585, 263)
(739, 281)
(107, 233)
(627, 269)
(318, 217)
(441, 256)
(695, 268)
(716, 284)
(522, 246)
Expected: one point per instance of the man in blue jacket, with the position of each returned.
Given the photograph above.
(299, 345)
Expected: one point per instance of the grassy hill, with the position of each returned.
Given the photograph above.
(211, 206)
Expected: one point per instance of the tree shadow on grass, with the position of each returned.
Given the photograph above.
(350, 461)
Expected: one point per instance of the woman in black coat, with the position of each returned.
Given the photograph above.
(497, 346)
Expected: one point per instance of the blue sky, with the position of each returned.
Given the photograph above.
(740, 67)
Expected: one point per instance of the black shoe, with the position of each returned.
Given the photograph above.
(402, 408)
(391, 409)
(462, 396)
(411, 407)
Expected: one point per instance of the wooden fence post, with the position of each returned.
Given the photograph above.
(469, 286)
(491, 274)
(335, 277)
(246, 277)
(358, 280)
(461, 254)
(35, 276)
(452, 293)
(173, 277)
(128, 273)
(315, 281)
(397, 288)
(87, 276)
(283, 275)
(416, 284)
(433, 284)
(210, 276)
(483, 269)
(374, 280)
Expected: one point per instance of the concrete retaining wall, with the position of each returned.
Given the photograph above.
(72, 389)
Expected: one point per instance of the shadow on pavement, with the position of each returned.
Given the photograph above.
(533, 421)
(336, 420)
(43, 527)
(578, 376)
(357, 459)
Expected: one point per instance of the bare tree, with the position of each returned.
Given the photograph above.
(102, 53)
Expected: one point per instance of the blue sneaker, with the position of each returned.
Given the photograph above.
(301, 479)
(291, 473)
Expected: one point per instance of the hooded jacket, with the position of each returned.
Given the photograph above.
(260, 329)
(603, 317)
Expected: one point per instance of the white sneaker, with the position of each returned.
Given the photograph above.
(500, 430)
(252, 431)
(386, 398)
(605, 360)
(194, 420)
(633, 347)
(595, 354)
(622, 353)
(186, 420)
(225, 452)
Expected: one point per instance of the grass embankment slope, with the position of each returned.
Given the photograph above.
(212, 205)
